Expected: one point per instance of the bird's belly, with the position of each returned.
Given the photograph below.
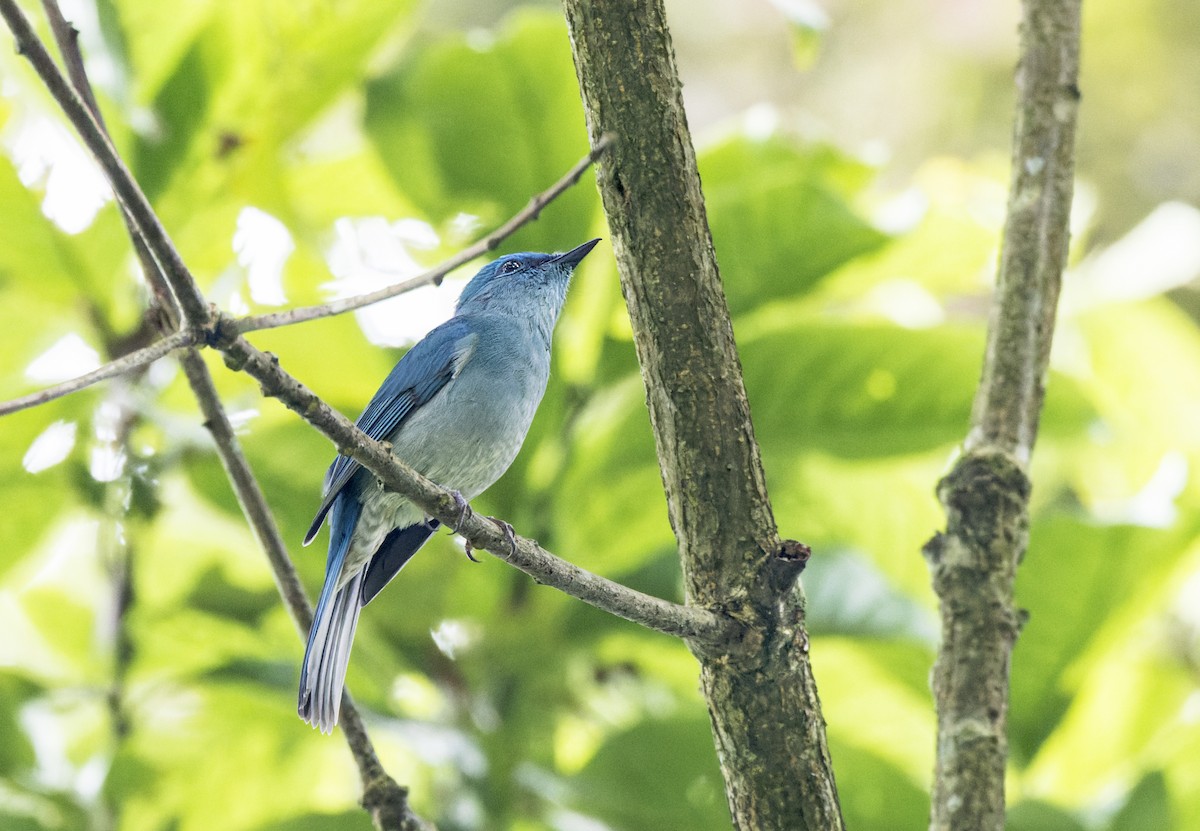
(464, 442)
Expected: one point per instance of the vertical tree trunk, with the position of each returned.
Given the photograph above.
(762, 700)
(986, 495)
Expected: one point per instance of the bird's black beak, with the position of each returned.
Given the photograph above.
(572, 257)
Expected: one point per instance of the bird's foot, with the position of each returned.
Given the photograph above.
(464, 511)
(469, 550)
(509, 534)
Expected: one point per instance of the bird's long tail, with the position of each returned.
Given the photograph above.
(323, 673)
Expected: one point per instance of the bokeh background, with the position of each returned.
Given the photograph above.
(854, 155)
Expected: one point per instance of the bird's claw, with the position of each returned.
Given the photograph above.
(509, 534)
(464, 510)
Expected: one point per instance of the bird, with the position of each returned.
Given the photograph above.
(456, 408)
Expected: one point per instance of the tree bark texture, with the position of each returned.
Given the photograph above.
(986, 494)
(762, 697)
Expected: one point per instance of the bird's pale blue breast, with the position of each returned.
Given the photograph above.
(423, 372)
(468, 432)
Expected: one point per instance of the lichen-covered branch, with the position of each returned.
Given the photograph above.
(763, 702)
(986, 494)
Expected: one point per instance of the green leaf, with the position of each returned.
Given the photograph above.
(885, 799)
(16, 751)
(875, 696)
(481, 128)
(33, 501)
(780, 216)
(866, 390)
(847, 595)
(861, 390)
(661, 775)
(1147, 806)
(27, 808)
(345, 821)
(1035, 815)
(1100, 564)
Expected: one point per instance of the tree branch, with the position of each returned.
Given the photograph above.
(704, 629)
(986, 494)
(383, 797)
(434, 275)
(763, 703)
(186, 292)
(132, 361)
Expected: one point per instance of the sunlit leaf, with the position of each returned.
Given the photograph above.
(481, 126)
(780, 216)
(674, 783)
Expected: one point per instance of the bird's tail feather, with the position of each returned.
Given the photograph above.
(327, 656)
(323, 673)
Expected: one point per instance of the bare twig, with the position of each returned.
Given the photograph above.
(383, 797)
(434, 275)
(704, 629)
(194, 337)
(132, 361)
(986, 494)
(195, 309)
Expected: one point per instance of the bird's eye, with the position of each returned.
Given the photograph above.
(510, 267)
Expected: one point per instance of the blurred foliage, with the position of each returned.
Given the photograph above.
(502, 704)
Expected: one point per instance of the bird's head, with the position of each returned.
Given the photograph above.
(518, 280)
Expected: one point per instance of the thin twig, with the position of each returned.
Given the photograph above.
(254, 323)
(434, 275)
(703, 629)
(986, 494)
(383, 797)
(132, 361)
(196, 310)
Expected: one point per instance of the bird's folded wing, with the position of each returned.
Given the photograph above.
(421, 373)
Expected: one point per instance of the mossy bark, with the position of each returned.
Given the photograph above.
(986, 494)
(762, 698)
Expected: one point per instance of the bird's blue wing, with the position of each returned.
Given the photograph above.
(421, 373)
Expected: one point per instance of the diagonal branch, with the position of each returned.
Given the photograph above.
(706, 630)
(434, 275)
(986, 494)
(383, 797)
(128, 363)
